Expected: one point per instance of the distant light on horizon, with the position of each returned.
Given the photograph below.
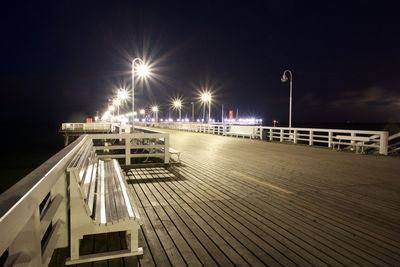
(244, 121)
(154, 108)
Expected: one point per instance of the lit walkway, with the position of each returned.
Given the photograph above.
(244, 202)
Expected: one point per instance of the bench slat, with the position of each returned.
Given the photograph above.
(111, 186)
(92, 187)
(126, 195)
(107, 191)
(120, 206)
(87, 180)
(352, 138)
(100, 212)
(85, 160)
(75, 160)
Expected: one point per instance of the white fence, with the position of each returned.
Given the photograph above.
(374, 141)
(87, 127)
(394, 144)
(377, 140)
(129, 146)
(34, 212)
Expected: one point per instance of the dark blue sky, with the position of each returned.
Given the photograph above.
(63, 58)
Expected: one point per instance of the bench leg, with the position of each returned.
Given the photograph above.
(133, 242)
(74, 248)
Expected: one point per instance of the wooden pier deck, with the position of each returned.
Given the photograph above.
(243, 202)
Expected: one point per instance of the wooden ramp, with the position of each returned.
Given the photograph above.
(244, 202)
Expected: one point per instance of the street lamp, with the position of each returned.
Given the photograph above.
(142, 112)
(192, 111)
(117, 103)
(206, 98)
(112, 109)
(177, 104)
(155, 111)
(143, 71)
(285, 79)
(122, 94)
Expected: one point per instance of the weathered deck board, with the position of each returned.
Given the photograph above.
(236, 201)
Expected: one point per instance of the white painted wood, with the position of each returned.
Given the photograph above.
(20, 222)
(90, 185)
(243, 131)
(379, 140)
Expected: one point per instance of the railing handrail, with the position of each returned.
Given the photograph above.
(394, 136)
(279, 128)
(86, 126)
(18, 202)
(324, 130)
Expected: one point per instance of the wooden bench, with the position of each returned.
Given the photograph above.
(359, 141)
(175, 152)
(243, 131)
(100, 202)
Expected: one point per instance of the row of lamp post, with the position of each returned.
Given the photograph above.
(143, 71)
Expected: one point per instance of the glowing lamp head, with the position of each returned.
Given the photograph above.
(142, 112)
(123, 94)
(177, 103)
(284, 78)
(143, 70)
(206, 97)
(154, 109)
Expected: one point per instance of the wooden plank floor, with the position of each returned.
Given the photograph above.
(244, 202)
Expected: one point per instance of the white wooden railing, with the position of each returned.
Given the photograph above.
(377, 140)
(394, 144)
(33, 212)
(135, 145)
(85, 127)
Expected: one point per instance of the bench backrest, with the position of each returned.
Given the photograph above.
(352, 138)
(84, 168)
(240, 129)
(84, 157)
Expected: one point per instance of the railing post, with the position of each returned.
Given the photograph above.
(384, 143)
(271, 134)
(330, 139)
(311, 140)
(352, 142)
(166, 149)
(127, 150)
(294, 136)
(60, 188)
(26, 250)
(261, 133)
(281, 135)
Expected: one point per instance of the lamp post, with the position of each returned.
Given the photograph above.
(285, 79)
(117, 103)
(142, 112)
(177, 104)
(143, 71)
(206, 98)
(155, 111)
(192, 111)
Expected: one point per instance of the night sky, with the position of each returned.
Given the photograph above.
(62, 60)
